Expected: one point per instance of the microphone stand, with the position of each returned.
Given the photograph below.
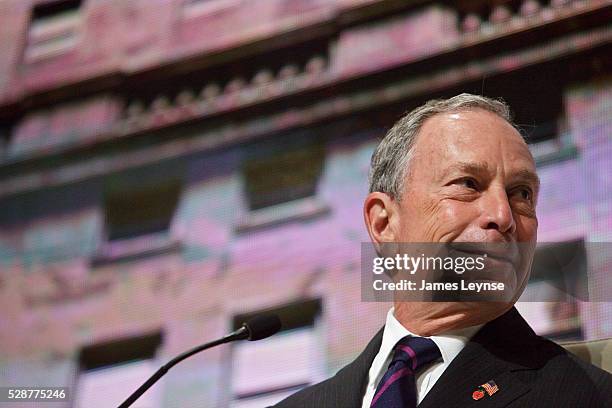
(240, 334)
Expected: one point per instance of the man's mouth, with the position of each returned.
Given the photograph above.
(496, 253)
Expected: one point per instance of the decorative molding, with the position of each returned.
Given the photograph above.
(562, 154)
(212, 100)
(302, 209)
(493, 28)
(133, 249)
(333, 107)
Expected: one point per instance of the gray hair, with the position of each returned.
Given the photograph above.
(390, 160)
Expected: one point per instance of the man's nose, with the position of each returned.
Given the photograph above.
(496, 212)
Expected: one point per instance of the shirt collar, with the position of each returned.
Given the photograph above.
(450, 343)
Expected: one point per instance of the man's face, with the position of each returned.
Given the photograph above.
(471, 179)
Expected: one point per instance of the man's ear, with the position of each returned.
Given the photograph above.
(381, 218)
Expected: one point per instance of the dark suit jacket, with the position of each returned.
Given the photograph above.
(529, 370)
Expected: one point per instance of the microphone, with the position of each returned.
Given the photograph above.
(261, 326)
(256, 328)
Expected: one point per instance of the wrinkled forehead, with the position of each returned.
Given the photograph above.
(475, 130)
(476, 136)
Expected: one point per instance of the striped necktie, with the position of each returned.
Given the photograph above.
(397, 388)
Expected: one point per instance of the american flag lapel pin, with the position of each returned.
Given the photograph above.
(489, 388)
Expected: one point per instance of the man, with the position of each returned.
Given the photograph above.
(457, 171)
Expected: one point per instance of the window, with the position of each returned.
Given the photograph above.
(285, 174)
(558, 280)
(564, 266)
(138, 207)
(538, 110)
(259, 371)
(542, 122)
(111, 371)
(141, 210)
(280, 180)
(6, 130)
(53, 29)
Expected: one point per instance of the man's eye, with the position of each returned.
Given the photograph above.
(524, 193)
(468, 182)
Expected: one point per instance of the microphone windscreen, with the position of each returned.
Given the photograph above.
(262, 326)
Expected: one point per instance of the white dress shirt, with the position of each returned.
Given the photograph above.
(450, 344)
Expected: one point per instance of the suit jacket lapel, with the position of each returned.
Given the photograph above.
(499, 351)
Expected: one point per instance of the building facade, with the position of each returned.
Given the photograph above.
(169, 167)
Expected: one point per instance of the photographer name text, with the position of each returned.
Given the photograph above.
(425, 286)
